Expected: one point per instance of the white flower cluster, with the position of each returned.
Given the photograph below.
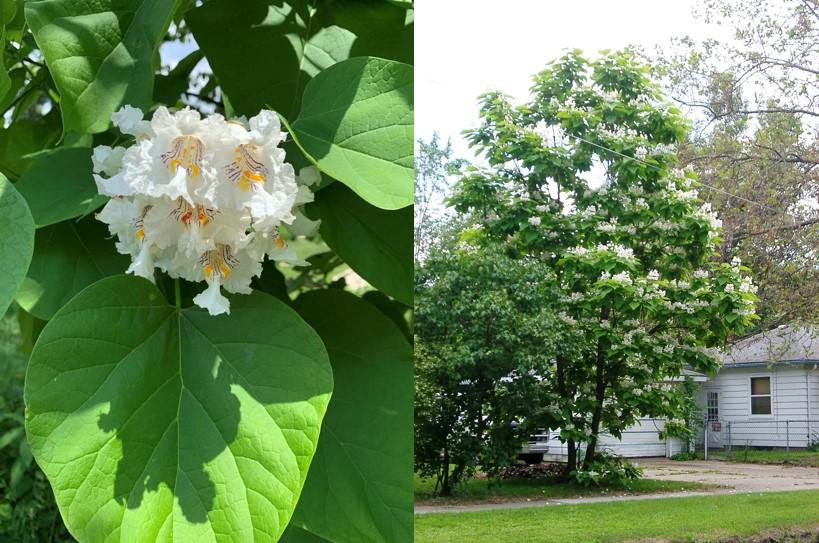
(202, 199)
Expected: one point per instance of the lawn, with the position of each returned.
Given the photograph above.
(753, 456)
(710, 519)
(481, 490)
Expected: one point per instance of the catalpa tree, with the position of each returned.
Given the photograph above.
(584, 177)
(192, 379)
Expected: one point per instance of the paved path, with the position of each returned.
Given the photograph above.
(735, 478)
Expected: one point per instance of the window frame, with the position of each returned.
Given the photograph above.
(712, 407)
(751, 396)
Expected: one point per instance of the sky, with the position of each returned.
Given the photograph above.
(466, 47)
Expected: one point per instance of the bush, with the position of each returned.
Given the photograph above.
(28, 512)
(684, 456)
(606, 470)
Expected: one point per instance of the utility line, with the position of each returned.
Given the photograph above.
(778, 212)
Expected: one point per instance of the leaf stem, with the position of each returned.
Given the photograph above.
(177, 293)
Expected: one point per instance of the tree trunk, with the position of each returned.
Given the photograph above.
(446, 488)
(571, 462)
(599, 395)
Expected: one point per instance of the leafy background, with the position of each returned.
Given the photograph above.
(340, 75)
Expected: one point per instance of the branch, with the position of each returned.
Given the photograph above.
(783, 227)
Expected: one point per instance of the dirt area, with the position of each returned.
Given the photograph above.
(739, 477)
(733, 478)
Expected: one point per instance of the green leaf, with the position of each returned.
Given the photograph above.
(17, 233)
(159, 424)
(24, 137)
(68, 257)
(356, 124)
(61, 186)
(5, 79)
(30, 329)
(8, 9)
(266, 52)
(359, 489)
(100, 54)
(294, 534)
(376, 243)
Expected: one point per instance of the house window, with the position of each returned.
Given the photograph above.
(712, 405)
(760, 395)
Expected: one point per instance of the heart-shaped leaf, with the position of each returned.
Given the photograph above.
(159, 424)
(265, 53)
(356, 124)
(60, 186)
(68, 257)
(376, 243)
(100, 54)
(17, 233)
(359, 489)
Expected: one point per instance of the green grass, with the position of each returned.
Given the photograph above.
(797, 458)
(710, 519)
(480, 489)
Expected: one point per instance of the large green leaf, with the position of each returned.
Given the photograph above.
(294, 534)
(68, 257)
(100, 54)
(24, 137)
(159, 424)
(356, 124)
(5, 79)
(265, 53)
(359, 489)
(60, 186)
(376, 243)
(17, 233)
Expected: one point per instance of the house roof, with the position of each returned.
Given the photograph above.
(786, 344)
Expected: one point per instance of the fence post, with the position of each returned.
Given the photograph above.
(787, 441)
(728, 445)
(705, 438)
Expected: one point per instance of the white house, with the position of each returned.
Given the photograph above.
(768, 390)
(640, 440)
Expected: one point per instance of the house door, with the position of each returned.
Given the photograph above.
(715, 429)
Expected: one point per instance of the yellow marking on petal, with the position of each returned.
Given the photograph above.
(246, 170)
(218, 263)
(187, 214)
(139, 223)
(278, 239)
(186, 153)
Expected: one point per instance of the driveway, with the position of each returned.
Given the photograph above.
(734, 478)
(742, 477)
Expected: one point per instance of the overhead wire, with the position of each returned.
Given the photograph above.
(711, 187)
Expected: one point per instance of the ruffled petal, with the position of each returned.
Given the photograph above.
(212, 300)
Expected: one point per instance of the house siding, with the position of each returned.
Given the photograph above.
(640, 440)
(788, 421)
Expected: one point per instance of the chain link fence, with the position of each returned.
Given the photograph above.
(759, 441)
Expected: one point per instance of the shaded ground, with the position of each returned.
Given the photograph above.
(732, 478)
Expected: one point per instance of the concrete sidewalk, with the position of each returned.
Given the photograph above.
(734, 478)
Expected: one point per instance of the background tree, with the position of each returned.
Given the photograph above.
(483, 327)
(434, 164)
(753, 98)
(632, 255)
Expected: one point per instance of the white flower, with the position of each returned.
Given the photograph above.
(534, 221)
(653, 275)
(729, 287)
(623, 278)
(201, 199)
